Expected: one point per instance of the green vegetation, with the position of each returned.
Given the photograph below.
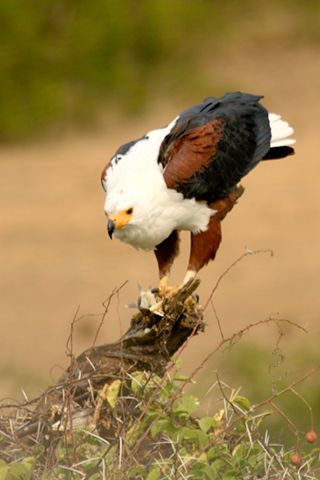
(261, 370)
(161, 437)
(64, 60)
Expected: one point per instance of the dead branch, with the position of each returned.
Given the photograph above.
(155, 334)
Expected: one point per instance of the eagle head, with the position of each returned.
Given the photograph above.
(117, 220)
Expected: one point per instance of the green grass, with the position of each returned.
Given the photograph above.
(64, 61)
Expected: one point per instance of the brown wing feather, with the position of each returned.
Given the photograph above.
(192, 152)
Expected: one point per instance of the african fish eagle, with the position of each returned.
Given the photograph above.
(184, 176)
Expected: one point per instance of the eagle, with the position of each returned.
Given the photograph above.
(185, 177)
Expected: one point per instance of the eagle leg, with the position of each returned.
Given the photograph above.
(165, 253)
(204, 245)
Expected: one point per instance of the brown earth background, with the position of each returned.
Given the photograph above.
(56, 258)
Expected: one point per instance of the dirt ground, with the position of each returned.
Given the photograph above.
(56, 256)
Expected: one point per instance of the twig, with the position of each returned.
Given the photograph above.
(233, 264)
(217, 318)
(307, 405)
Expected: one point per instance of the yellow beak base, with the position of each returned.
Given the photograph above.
(120, 219)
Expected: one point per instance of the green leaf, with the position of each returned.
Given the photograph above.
(154, 473)
(177, 362)
(239, 451)
(134, 471)
(213, 453)
(193, 435)
(155, 381)
(242, 402)
(113, 392)
(3, 470)
(203, 438)
(232, 474)
(205, 423)
(188, 404)
(218, 465)
(210, 474)
(203, 457)
(314, 454)
(29, 464)
(19, 471)
(205, 471)
(160, 426)
(188, 434)
(139, 379)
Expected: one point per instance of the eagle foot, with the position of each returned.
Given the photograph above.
(166, 295)
(158, 300)
(165, 291)
(169, 292)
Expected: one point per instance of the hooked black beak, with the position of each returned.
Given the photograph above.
(111, 227)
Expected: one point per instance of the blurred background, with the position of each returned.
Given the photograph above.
(78, 79)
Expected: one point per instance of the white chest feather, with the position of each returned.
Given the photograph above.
(167, 211)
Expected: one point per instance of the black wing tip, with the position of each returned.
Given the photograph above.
(279, 152)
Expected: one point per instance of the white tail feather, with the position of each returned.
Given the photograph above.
(280, 131)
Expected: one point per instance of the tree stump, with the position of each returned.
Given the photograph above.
(79, 398)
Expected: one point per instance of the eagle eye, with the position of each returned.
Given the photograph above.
(129, 211)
